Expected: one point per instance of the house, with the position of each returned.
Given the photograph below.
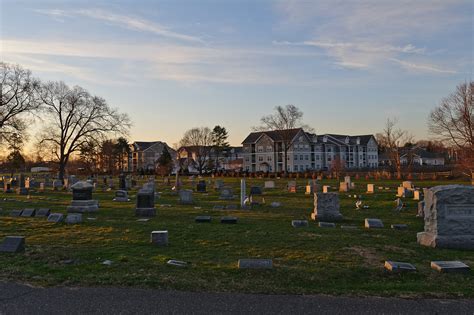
(206, 158)
(264, 151)
(144, 155)
(420, 156)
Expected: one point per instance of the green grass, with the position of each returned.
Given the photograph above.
(306, 260)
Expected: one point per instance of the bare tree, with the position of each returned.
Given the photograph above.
(199, 142)
(391, 140)
(18, 97)
(74, 118)
(284, 120)
(453, 122)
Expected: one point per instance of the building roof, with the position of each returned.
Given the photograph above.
(275, 135)
(144, 145)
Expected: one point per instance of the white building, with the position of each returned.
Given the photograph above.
(264, 151)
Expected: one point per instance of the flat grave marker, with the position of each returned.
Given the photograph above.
(396, 266)
(449, 266)
(13, 244)
(255, 264)
(373, 223)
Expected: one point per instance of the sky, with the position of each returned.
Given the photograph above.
(175, 65)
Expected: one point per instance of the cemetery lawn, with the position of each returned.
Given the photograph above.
(306, 260)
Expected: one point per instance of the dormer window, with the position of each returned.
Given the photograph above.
(358, 140)
(325, 139)
(347, 140)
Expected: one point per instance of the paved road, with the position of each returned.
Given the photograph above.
(23, 299)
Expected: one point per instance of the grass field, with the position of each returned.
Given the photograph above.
(306, 260)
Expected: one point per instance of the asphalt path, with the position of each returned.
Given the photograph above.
(24, 299)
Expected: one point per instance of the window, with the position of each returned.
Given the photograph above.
(269, 148)
(260, 148)
(269, 158)
(306, 157)
(295, 158)
(260, 158)
(295, 168)
(301, 158)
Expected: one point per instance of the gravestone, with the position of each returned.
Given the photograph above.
(449, 266)
(56, 217)
(145, 205)
(28, 213)
(299, 223)
(121, 196)
(343, 187)
(229, 220)
(42, 212)
(218, 207)
(201, 186)
(255, 190)
(13, 244)
(122, 182)
(22, 190)
(7, 186)
(15, 213)
(370, 188)
(203, 219)
(416, 195)
(218, 184)
(186, 197)
(326, 189)
(326, 207)
(449, 217)
(399, 226)
(401, 192)
(226, 193)
(41, 187)
(255, 264)
(243, 194)
(231, 207)
(396, 266)
(57, 184)
(408, 185)
(347, 180)
(326, 224)
(159, 238)
(82, 198)
(291, 187)
(269, 184)
(73, 218)
(373, 224)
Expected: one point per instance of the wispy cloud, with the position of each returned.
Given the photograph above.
(367, 34)
(124, 21)
(421, 67)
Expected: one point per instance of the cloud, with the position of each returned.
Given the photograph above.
(367, 34)
(422, 67)
(181, 63)
(124, 21)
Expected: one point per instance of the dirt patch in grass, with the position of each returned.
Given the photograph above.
(368, 254)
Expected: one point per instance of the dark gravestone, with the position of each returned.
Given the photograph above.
(7, 187)
(255, 190)
(13, 244)
(42, 212)
(255, 264)
(201, 186)
(218, 207)
(399, 226)
(15, 213)
(231, 207)
(449, 266)
(122, 182)
(299, 223)
(28, 213)
(373, 223)
(82, 198)
(145, 203)
(203, 219)
(395, 266)
(229, 220)
(55, 217)
(326, 224)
